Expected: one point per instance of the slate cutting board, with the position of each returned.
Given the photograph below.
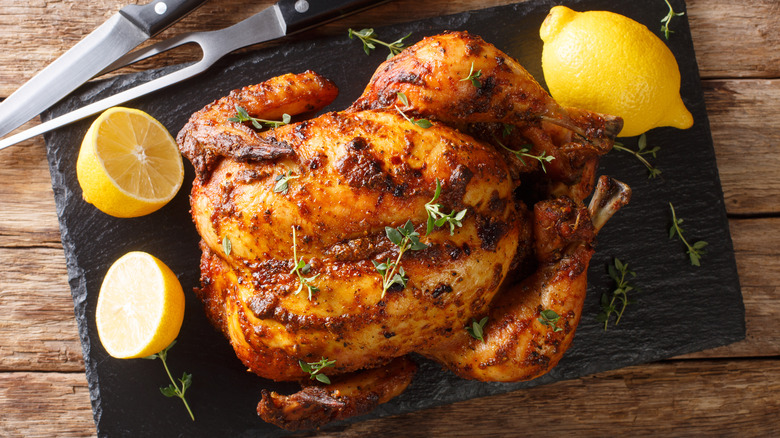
(680, 308)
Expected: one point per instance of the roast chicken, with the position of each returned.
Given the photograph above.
(318, 254)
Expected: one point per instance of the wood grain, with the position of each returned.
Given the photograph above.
(728, 391)
(680, 398)
(745, 144)
(666, 399)
(37, 326)
(755, 246)
(45, 405)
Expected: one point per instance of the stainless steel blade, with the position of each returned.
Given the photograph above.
(263, 26)
(112, 40)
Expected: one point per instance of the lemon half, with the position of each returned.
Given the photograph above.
(608, 63)
(140, 308)
(128, 164)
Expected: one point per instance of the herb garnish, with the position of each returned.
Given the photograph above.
(694, 251)
(302, 268)
(173, 389)
(642, 144)
(405, 238)
(227, 245)
(437, 219)
(368, 37)
(473, 76)
(243, 116)
(507, 129)
(283, 180)
(618, 272)
(422, 123)
(526, 152)
(477, 329)
(549, 318)
(315, 368)
(666, 20)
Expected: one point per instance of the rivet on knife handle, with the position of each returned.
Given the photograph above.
(302, 14)
(155, 16)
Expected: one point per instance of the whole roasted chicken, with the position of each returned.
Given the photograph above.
(441, 214)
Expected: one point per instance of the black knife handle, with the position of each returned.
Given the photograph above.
(155, 16)
(302, 14)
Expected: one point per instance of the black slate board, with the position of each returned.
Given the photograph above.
(680, 309)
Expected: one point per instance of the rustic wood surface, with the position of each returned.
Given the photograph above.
(731, 390)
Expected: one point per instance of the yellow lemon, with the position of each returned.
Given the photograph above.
(608, 63)
(128, 164)
(140, 308)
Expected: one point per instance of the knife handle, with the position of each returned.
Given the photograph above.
(155, 16)
(302, 14)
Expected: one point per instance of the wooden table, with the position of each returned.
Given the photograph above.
(732, 390)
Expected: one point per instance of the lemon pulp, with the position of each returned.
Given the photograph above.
(128, 164)
(140, 307)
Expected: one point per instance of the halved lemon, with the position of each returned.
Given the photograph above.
(128, 164)
(140, 308)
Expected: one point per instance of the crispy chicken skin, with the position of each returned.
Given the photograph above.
(432, 75)
(523, 247)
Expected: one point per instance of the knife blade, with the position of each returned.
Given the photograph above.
(281, 19)
(121, 33)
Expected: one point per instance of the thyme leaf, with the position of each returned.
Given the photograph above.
(369, 39)
(477, 329)
(227, 245)
(526, 152)
(300, 269)
(668, 18)
(315, 369)
(437, 219)
(618, 271)
(549, 318)
(173, 390)
(283, 182)
(406, 238)
(242, 116)
(694, 251)
(643, 150)
(422, 123)
(473, 77)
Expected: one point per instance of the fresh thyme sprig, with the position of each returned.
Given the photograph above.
(283, 181)
(243, 116)
(422, 123)
(473, 76)
(549, 318)
(302, 268)
(618, 271)
(477, 329)
(391, 271)
(437, 219)
(694, 251)
(526, 152)
(173, 389)
(369, 39)
(666, 20)
(642, 145)
(315, 369)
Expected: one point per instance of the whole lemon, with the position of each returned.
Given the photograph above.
(609, 63)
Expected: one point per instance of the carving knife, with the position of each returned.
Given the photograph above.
(281, 19)
(121, 33)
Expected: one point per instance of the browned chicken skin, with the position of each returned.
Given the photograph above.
(354, 173)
